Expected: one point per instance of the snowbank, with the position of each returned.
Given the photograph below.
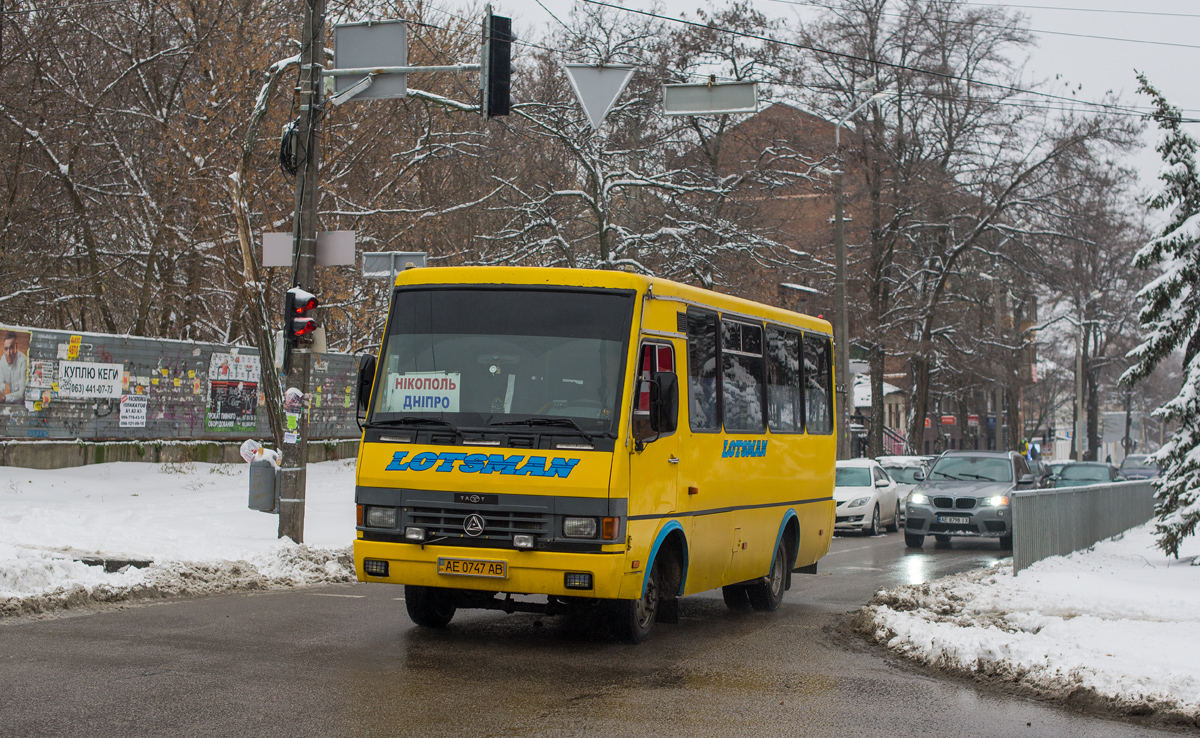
(1115, 626)
(190, 520)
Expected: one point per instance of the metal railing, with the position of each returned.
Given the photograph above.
(1053, 522)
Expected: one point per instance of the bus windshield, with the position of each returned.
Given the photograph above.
(478, 357)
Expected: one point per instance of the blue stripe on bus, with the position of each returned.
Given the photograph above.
(790, 514)
(715, 510)
(662, 535)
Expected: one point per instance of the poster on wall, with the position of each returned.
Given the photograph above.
(89, 379)
(14, 365)
(133, 411)
(233, 392)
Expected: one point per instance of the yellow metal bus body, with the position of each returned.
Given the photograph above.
(724, 500)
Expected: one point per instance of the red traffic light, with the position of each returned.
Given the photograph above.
(303, 326)
(301, 301)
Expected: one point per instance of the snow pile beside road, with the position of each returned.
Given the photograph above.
(1115, 626)
(164, 531)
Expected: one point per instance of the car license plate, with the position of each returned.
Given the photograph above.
(954, 521)
(473, 568)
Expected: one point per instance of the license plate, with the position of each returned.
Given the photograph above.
(954, 521)
(473, 568)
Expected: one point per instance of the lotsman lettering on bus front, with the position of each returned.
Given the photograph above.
(514, 465)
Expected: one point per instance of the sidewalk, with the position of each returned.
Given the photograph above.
(1118, 625)
(189, 521)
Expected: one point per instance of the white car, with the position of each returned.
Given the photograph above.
(866, 497)
(903, 471)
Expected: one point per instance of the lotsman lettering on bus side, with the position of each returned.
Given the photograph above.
(741, 449)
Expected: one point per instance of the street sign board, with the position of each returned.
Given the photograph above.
(368, 45)
(334, 248)
(387, 264)
(717, 98)
(597, 87)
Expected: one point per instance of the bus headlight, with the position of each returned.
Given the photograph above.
(381, 517)
(522, 540)
(579, 527)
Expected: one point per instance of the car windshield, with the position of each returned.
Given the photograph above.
(972, 469)
(1138, 462)
(853, 476)
(1084, 473)
(903, 474)
(476, 357)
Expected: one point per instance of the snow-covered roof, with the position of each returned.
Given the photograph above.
(862, 390)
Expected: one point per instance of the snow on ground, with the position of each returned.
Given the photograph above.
(1115, 625)
(190, 520)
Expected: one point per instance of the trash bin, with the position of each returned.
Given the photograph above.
(264, 486)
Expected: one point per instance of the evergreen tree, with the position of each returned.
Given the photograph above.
(1170, 317)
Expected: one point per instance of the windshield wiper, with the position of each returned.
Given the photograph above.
(944, 475)
(415, 420)
(979, 477)
(566, 422)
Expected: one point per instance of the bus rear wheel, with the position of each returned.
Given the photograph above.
(735, 597)
(635, 618)
(428, 607)
(766, 596)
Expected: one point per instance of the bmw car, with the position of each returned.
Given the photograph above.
(967, 493)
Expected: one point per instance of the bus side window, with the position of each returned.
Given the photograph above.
(702, 371)
(655, 357)
(784, 412)
(818, 404)
(742, 373)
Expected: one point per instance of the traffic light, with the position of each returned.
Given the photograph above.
(495, 74)
(296, 302)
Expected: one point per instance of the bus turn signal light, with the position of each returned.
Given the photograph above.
(610, 528)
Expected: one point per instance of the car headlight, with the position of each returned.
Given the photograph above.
(916, 498)
(997, 501)
(859, 502)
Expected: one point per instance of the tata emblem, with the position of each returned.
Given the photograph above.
(473, 525)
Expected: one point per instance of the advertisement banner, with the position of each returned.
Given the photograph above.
(133, 411)
(85, 379)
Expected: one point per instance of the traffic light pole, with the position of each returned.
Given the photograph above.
(304, 253)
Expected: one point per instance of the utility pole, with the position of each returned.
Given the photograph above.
(841, 352)
(304, 253)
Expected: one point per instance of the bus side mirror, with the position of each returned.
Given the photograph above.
(664, 402)
(366, 381)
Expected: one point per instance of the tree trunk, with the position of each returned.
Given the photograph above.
(918, 399)
(875, 360)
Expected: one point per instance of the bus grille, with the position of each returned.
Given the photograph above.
(440, 522)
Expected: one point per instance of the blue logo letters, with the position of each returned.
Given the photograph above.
(534, 466)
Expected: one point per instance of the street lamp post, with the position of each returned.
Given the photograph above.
(841, 346)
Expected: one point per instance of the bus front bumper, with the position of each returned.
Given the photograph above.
(527, 572)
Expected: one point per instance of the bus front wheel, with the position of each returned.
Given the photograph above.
(428, 607)
(635, 618)
(766, 596)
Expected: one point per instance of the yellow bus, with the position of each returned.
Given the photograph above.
(592, 438)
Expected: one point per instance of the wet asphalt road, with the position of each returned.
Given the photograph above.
(346, 661)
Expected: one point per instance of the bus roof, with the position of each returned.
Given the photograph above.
(663, 288)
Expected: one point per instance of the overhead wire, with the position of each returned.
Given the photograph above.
(802, 3)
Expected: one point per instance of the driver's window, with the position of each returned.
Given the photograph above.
(654, 357)
(1022, 468)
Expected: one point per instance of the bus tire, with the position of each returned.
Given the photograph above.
(635, 618)
(766, 596)
(735, 597)
(428, 607)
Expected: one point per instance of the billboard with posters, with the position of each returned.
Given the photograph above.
(233, 392)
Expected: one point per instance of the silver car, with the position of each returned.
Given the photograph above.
(967, 493)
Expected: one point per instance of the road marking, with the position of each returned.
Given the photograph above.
(848, 550)
(398, 599)
(349, 597)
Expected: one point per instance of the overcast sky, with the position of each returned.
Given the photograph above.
(1060, 60)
